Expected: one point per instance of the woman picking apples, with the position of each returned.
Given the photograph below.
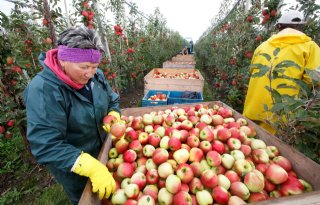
(65, 104)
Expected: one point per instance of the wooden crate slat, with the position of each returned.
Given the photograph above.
(151, 83)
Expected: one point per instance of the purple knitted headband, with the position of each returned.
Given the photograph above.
(78, 55)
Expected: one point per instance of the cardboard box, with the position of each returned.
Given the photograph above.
(151, 83)
(303, 166)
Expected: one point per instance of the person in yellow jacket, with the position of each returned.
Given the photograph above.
(294, 46)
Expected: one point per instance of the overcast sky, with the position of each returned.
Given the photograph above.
(189, 18)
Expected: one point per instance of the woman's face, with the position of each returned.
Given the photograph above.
(79, 72)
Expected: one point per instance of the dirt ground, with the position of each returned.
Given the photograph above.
(131, 97)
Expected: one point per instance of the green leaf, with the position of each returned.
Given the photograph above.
(278, 107)
(265, 107)
(267, 56)
(276, 51)
(275, 94)
(263, 69)
(286, 64)
(283, 85)
(295, 105)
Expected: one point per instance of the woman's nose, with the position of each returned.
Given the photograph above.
(90, 72)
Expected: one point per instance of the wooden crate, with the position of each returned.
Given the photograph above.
(304, 167)
(151, 83)
(171, 64)
(183, 58)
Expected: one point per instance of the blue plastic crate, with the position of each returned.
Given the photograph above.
(180, 97)
(146, 102)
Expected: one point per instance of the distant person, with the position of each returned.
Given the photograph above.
(191, 47)
(185, 51)
(65, 105)
(294, 46)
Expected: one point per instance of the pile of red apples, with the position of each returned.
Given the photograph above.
(158, 96)
(191, 75)
(196, 155)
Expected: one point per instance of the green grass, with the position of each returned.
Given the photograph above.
(53, 195)
(25, 182)
(207, 93)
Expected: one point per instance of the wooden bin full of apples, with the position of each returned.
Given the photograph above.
(202, 154)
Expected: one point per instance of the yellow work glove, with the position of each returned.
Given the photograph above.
(101, 179)
(117, 116)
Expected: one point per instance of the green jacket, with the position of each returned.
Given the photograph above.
(62, 123)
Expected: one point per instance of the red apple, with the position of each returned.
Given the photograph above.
(125, 170)
(205, 146)
(193, 141)
(122, 145)
(181, 156)
(184, 172)
(129, 156)
(132, 191)
(283, 162)
(146, 200)
(131, 135)
(152, 176)
(195, 185)
(240, 189)
(154, 139)
(213, 158)
(232, 176)
(174, 143)
(204, 197)
(217, 120)
(118, 129)
(164, 196)
(276, 174)
(151, 190)
(220, 195)
(182, 198)
(272, 151)
(160, 155)
(206, 134)
(218, 146)
(186, 125)
(143, 138)
(223, 134)
(235, 200)
(195, 155)
(173, 183)
(258, 196)
(254, 180)
(209, 179)
(234, 143)
(165, 169)
(292, 186)
(139, 179)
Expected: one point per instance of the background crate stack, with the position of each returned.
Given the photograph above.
(183, 58)
(151, 83)
(179, 64)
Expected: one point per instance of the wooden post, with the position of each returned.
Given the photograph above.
(104, 39)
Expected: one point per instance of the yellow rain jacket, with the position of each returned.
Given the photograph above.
(294, 46)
